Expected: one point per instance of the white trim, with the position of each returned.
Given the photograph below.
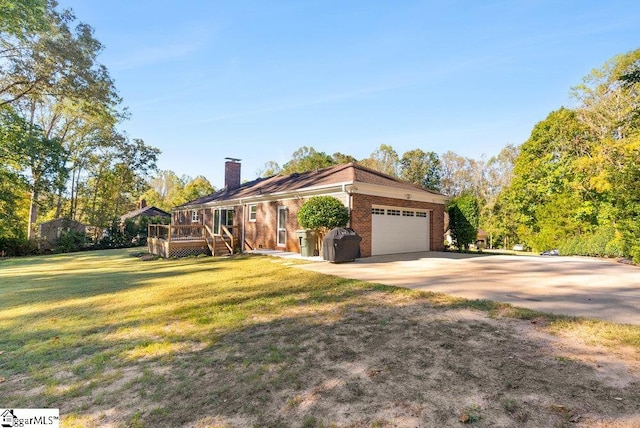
(348, 187)
(415, 210)
(398, 193)
(281, 228)
(255, 213)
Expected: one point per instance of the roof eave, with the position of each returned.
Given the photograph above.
(285, 194)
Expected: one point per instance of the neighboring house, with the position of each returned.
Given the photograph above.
(50, 231)
(481, 235)
(144, 211)
(391, 215)
(481, 239)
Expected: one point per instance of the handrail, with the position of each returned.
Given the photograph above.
(209, 231)
(212, 246)
(230, 235)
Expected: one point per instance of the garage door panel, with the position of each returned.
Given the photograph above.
(398, 233)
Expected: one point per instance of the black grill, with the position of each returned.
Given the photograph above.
(341, 245)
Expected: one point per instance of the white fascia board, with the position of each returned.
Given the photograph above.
(278, 196)
(346, 186)
(397, 193)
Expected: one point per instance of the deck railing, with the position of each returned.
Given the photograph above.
(171, 232)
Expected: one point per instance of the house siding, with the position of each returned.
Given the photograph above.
(263, 232)
(361, 219)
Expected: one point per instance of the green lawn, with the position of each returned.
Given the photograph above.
(111, 339)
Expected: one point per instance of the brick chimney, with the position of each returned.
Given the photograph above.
(232, 173)
(143, 204)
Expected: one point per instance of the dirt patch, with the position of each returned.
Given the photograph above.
(380, 359)
(403, 363)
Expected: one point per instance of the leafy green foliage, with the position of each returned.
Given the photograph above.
(421, 168)
(70, 241)
(27, 153)
(307, 159)
(131, 233)
(60, 151)
(385, 159)
(463, 220)
(21, 17)
(166, 190)
(575, 184)
(323, 212)
(17, 246)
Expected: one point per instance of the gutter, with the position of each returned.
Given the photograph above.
(244, 211)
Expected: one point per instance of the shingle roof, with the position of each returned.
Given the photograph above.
(149, 211)
(344, 173)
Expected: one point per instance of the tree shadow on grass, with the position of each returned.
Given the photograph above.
(293, 349)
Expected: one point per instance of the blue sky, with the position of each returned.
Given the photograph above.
(256, 80)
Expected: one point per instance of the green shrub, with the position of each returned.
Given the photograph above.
(70, 241)
(12, 247)
(614, 247)
(604, 242)
(464, 215)
(322, 213)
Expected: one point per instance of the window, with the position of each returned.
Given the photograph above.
(408, 213)
(194, 216)
(377, 211)
(253, 212)
(393, 212)
(421, 214)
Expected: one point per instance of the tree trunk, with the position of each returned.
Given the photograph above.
(33, 215)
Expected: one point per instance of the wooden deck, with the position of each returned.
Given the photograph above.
(181, 241)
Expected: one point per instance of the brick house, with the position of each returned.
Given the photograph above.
(144, 210)
(391, 215)
(50, 231)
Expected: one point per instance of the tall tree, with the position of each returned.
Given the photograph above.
(384, 159)
(48, 58)
(498, 173)
(19, 18)
(421, 168)
(548, 190)
(39, 160)
(117, 179)
(463, 220)
(270, 168)
(607, 106)
(460, 175)
(307, 159)
(197, 188)
(341, 158)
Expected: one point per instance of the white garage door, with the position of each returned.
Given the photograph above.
(398, 230)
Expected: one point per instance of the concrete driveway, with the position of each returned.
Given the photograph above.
(561, 285)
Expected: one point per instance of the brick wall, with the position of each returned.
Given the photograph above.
(361, 219)
(263, 232)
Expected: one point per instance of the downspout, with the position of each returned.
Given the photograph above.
(344, 189)
(243, 220)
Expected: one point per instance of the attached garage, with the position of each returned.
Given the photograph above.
(399, 230)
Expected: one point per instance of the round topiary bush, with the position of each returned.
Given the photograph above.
(322, 213)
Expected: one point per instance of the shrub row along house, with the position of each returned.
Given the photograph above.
(391, 215)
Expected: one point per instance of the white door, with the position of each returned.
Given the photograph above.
(399, 230)
(282, 226)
